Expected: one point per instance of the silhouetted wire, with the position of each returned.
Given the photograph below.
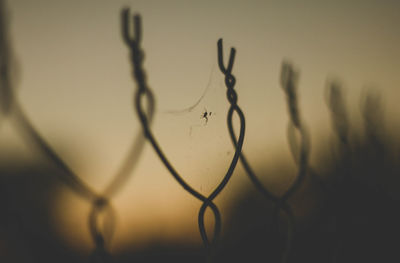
(100, 202)
(232, 98)
(101, 234)
(279, 203)
(6, 91)
(372, 113)
(300, 158)
(336, 105)
(10, 212)
(9, 105)
(32, 136)
(300, 152)
(131, 158)
(137, 56)
(340, 124)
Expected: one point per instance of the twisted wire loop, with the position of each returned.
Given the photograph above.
(340, 124)
(339, 116)
(136, 57)
(101, 207)
(234, 108)
(133, 42)
(11, 108)
(101, 234)
(32, 136)
(299, 151)
(279, 203)
(372, 113)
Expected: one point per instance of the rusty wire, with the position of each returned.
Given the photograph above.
(133, 41)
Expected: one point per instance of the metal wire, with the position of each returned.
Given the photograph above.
(372, 114)
(137, 56)
(232, 98)
(101, 206)
(101, 234)
(336, 105)
(6, 91)
(30, 134)
(299, 152)
(340, 125)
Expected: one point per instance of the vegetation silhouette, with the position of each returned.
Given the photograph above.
(355, 220)
(347, 212)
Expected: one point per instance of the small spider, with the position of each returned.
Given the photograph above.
(205, 115)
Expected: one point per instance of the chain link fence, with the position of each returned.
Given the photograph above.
(348, 193)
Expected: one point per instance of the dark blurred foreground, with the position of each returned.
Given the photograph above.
(349, 215)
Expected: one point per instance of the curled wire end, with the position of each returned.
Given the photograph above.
(224, 70)
(289, 84)
(134, 37)
(125, 26)
(372, 113)
(288, 77)
(137, 22)
(101, 232)
(337, 106)
(334, 96)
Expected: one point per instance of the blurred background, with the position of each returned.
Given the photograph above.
(72, 76)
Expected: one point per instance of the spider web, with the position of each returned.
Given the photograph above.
(202, 134)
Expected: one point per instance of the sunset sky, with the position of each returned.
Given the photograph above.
(73, 78)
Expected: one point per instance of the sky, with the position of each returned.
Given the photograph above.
(74, 81)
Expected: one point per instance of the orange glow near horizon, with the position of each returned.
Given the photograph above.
(73, 78)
